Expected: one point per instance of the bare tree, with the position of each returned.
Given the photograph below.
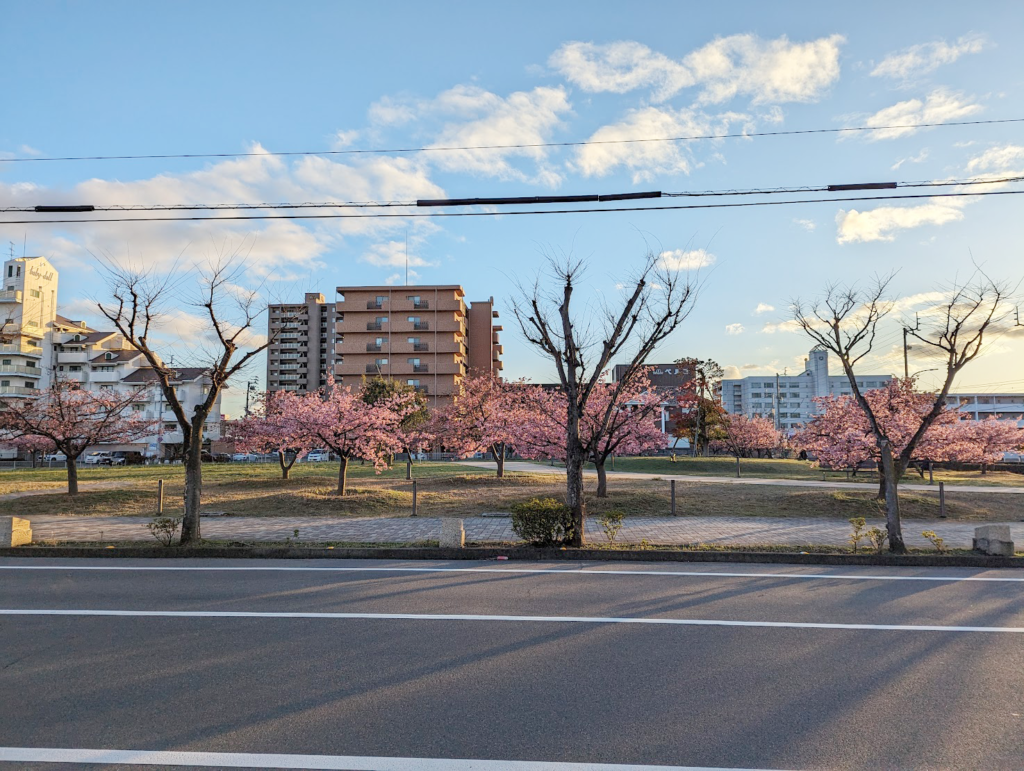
(139, 301)
(845, 321)
(657, 301)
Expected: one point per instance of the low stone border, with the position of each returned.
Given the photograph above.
(516, 553)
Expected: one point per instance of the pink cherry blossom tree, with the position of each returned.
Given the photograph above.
(73, 419)
(983, 441)
(743, 436)
(272, 428)
(336, 417)
(33, 445)
(486, 415)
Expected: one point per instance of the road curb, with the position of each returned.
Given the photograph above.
(513, 553)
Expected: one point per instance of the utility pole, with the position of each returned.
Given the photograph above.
(778, 403)
(906, 361)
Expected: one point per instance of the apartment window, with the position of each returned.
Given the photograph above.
(413, 340)
(381, 299)
(29, 384)
(75, 368)
(10, 274)
(18, 271)
(380, 341)
(755, 395)
(380, 362)
(382, 319)
(413, 383)
(414, 298)
(415, 362)
(170, 426)
(34, 293)
(413, 319)
(769, 386)
(110, 355)
(7, 361)
(104, 369)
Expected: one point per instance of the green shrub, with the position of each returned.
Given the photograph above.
(542, 521)
(611, 523)
(164, 529)
(858, 524)
(937, 542)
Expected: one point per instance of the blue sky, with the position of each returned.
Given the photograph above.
(131, 78)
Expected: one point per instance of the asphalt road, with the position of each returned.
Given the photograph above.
(371, 665)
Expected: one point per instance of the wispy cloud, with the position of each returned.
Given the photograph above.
(734, 329)
(763, 308)
(923, 58)
(919, 158)
(883, 223)
(681, 259)
(807, 225)
(940, 106)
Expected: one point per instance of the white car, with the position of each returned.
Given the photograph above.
(100, 458)
(318, 456)
(55, 457)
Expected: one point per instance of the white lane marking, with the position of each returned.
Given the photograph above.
(346, 762)
(520, 619)
(558, 571)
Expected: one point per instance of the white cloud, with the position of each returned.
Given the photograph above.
(883, 223)
(648, 159)
(807, 225)
(997, 159)
(767, 71)
(470, 116)
(680, 259)
(919, 158)
(398, 279)
(733, 329)
(343, 139)
(393, 254)
(29, 150)
(923, 58)
(940, 106)
(771, 327)
(763, 308)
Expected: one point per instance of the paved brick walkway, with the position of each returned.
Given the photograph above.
(655, 530)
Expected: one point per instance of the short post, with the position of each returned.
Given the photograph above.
(414, 497)
(673, 483)
(613, 463)
(160, 497)
(942, 500)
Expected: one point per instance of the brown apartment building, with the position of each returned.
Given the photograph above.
(426, 336)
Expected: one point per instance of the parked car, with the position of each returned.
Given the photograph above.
(127, 458)
(318, 456)
(102, 458)
(55, 457)
(245, 457)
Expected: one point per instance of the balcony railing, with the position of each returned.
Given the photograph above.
(373, 305)
(24, 350)
(421, 346)
(421, 390)
(16, 390)
(420, 368)
(421, 325)
(19, 369)
(422, 304)
(10, 296)
(373, 369)
(372, 348)
(373, 326)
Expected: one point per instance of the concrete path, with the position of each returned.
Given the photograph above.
(538, 468)
(655, 530)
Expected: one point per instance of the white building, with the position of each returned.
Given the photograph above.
(38, 345)
(789, 399)
(979, 406)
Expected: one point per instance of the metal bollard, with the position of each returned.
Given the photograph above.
(942, 500)
(414, 498)
(160, 496)
(673, 510)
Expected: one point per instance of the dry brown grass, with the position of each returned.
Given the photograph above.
(470, 494)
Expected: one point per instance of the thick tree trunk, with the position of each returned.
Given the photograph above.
(285, 467)
(190, 530)
(892, 501)
(72, 475)
(881, 486)
(498, 451)
(984, 469)
(574, 499)
(602, 479)
(342, 474)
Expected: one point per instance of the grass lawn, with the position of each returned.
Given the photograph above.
(798, 469)
(446, 489)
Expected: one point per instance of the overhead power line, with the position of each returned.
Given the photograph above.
(411, 215)
(286, 205)
(521, 146)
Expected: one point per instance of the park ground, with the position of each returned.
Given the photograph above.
(464, 490)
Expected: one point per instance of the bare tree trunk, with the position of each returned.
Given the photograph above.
(881, 486)
(342, 474)
(984, 469)
(892, 501)
(72, 475)
(574, 460)
(498, 451)
(602, 479)
(408, 466)
(285, 468)
(190, 531)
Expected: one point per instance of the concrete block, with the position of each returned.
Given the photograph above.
(993, 540)
(453, 535)
(15, 531)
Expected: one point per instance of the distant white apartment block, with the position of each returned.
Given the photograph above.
(789, 399)
(979, 406)
(38, 345)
